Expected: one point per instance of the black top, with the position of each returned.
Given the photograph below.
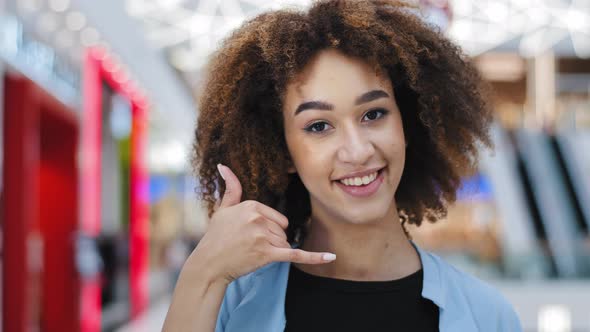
(315, 303)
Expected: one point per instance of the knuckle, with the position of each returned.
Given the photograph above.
(251, 204)
(270, 235)
(259, 237)
(257, 253)
(253, 217)
(260, 218)
(294, 255)
(281, 234)
(263, 252)
(259, 221)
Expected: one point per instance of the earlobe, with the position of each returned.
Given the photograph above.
(291, 168)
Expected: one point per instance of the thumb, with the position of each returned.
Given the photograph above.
(233, 188)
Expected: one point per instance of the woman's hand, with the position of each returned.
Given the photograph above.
(244, 236)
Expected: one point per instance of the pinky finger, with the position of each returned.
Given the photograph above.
(302, 256)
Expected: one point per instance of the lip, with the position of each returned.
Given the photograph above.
(363, 191)
(360, 174)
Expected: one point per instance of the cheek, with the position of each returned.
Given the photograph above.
(308, 157)
(311, 160)
(391, 138)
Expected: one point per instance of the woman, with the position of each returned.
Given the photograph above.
(328, 127)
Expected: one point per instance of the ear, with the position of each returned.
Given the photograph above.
(291, 168)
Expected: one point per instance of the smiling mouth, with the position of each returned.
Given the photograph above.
(361, 180)
(367, 187)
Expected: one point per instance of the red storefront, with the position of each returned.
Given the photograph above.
(52, 205)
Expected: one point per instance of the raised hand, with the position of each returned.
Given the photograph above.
(244, 236)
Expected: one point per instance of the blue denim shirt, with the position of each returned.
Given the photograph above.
(255, 302)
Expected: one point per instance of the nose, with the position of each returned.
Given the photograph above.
(356, 147)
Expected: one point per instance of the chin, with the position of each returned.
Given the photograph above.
(365, 217)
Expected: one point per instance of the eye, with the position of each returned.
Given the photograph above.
(377, 113)
(317, 127)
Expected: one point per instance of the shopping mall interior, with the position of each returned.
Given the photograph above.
(98, 203)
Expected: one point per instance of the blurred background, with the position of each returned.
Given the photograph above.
(98, 208)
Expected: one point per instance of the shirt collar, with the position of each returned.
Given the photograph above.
(433, 284)
(259, 309)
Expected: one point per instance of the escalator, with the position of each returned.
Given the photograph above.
(521, 231)
(551, 198)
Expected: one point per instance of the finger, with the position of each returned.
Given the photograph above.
(276, 230)
(302, 256)
(273, 215)
(279, 242)
(233, 188)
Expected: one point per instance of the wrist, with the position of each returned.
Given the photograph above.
(198, 266)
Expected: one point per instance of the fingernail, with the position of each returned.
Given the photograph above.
(220, 172)
(328, 257)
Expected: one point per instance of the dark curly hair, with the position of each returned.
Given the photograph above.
(440, 95)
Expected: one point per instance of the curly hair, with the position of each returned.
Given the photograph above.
(441, 97)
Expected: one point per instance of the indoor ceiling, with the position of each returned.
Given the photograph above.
(188, 30)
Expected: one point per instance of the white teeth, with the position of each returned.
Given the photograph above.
(358, 181)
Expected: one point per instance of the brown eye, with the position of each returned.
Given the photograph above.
(317, 127)
(376, 113)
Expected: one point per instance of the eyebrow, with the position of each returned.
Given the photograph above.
(324, 106)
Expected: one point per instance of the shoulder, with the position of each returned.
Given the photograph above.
(244, 284)
(246, 288)
(239, 288)
(489, 307)
(234, 294)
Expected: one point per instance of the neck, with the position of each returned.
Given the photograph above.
(376, 251)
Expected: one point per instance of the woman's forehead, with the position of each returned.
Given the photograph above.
(332, 75)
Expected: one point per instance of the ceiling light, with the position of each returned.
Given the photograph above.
(29, 5)
(577, 21)
(89, 36)
(534, 25)
(581, 43)
(59, 5)
(497, 12)
(169, 4)
(555, 318)
(75, 21)
(64, 39)
(47, 23)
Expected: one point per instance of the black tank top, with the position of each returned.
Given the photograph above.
(315, 303)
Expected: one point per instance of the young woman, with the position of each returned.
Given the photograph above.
(320, 134)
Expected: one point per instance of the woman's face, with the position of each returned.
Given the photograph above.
(340, 118)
